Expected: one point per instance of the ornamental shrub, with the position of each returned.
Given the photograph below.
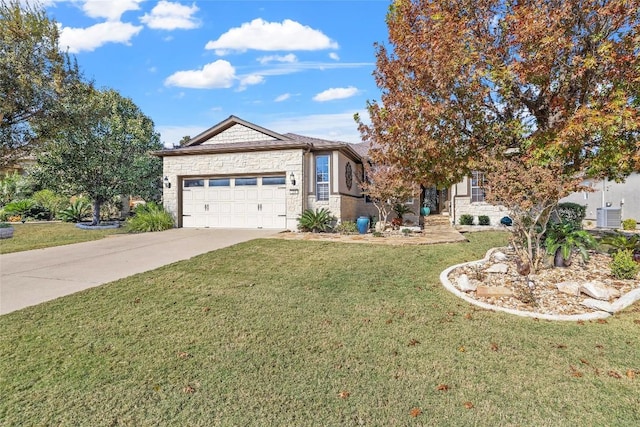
(150, 217)
(629, 224)
(571, 212)
(623, 266)
(346, 227)
(466, 219)
(484, 220)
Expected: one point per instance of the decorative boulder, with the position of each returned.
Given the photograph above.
(571, 288)
(595, 290)
(464, 284)
(498, 268)
(493, 291)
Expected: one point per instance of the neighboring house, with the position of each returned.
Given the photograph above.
(620, 199)
(238, 174)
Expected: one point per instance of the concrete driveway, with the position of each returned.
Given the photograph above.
(31, 277)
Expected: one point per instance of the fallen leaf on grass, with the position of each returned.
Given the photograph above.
(414, 412)
(602, 321)
(206, 309)
(389, 321)
(580, 322)
(631, 374)
(575, 372)
(599, 346)
(137, 301)
(637, 321)
(451, 313)
(344, 394)
(585, 362)
(188, 389)
(494, 346)
(442, 387)
(614, 374)
(413, 342)
(184, 355)
(468, 316)
(462, 349)
(561, 346)
(468, 405)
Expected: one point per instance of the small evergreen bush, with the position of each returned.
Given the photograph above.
(629, 224)
(347, 227)
(315, 221)
(466, 219)
(623, 266)
(484, 220)
(149, 217)
(571, 212)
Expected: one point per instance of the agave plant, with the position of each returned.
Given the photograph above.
(315, 221)
(76, 212)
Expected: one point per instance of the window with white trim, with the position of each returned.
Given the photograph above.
(322, 177)
(477, 186)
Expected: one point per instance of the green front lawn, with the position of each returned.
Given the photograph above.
(37, 236)
(295, 333)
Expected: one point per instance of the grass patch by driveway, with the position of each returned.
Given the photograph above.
(274, 332)
(37, 236)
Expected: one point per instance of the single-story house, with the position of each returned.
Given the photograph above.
(238, 174)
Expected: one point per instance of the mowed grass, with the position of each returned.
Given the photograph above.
(37, 236)
(293, 333)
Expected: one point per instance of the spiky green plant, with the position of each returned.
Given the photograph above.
(315, 221)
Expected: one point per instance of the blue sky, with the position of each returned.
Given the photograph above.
(290, 66)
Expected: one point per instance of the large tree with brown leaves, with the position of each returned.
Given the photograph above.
(551, 85)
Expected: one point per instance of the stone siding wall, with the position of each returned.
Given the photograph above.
(464, 206)
(238, 133)
(256, 163)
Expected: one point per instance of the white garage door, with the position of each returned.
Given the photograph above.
(234, 202)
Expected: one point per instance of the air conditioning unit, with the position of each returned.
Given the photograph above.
(609, 217)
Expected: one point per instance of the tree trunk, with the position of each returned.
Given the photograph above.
(95, 219)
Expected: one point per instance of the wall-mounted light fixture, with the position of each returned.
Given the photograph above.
(292, 179)
(166, 182)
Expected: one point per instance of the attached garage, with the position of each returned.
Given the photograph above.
(240, 175)
(235, 202)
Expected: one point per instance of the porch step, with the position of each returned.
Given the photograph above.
(436, 220)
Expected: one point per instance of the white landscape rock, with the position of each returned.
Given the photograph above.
(464, 284)
(613, 293)
(571, 288)
(598, 305)
(626, 300)
(595, 290)
(498, 268)
(499, 256)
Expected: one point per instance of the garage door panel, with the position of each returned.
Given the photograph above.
(219, 204)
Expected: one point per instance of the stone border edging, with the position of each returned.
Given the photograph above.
(85, 226)
(623, 302)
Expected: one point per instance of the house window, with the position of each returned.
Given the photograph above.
(322, 178)
(246, 181)
(477, 184)
(188, 183)
(219, 182)
(274, 180)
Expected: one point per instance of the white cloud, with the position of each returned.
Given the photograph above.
(90, 38)
(111, 10)
(171, 16)
(336, 93)
(218, 74)
(334, 127)
(289, 58)
(282, 97)
(249, 80)
(271, 36)
(334, 56)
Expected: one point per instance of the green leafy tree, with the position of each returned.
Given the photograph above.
(550, 86)
(35, 78)
(106, 154)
